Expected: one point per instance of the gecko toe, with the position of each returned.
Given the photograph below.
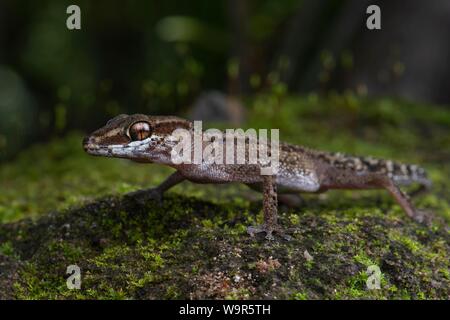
(143, 196)
(427, 218)
(423, 217)
(156, 195)
(269, 231)
(269, 236)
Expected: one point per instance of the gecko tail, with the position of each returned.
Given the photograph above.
(402, 174)
(406, 174)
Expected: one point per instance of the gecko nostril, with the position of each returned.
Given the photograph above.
(87, 141)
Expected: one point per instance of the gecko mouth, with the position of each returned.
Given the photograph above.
(93, 148)
(96, 150)
(131, 150)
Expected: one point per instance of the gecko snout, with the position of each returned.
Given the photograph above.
(88, 143)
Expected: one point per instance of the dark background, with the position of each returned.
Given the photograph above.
(158, 57)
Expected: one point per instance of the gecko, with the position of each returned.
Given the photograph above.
(149, 139)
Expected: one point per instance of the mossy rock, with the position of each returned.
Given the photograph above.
(188, 248)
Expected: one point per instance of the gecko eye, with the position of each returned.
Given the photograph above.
(139, 131)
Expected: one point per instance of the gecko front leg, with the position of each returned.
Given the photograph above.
(270, 210)
(142, 196)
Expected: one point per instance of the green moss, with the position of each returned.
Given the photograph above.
(300, 296)
(411, 244)
(7, 249)
(362, 258)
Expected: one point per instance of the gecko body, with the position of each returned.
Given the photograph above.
(150, 139)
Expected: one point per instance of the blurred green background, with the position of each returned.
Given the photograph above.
(190, 58)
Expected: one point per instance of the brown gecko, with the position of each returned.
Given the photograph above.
(149, 139)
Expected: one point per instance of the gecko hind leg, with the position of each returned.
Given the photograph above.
(270, 210)
(346, 180)
(404, 201)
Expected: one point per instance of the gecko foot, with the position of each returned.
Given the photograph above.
(143, 196)
(269, 230)
(423, 217)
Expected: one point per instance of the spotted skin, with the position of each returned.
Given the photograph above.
(300, 169)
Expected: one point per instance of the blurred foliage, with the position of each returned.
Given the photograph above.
(17, 111)
(129, 57)
(156, 58)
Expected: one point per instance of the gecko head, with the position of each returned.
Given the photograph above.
(136, 137)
